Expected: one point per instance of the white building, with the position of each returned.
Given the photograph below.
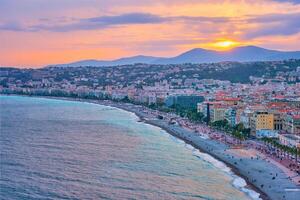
(290, 140)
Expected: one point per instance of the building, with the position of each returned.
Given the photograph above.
(217, 113)
(184, 101)
(290, 140)
(118, 95)
(266, 133)
(229, 100)
(152, 99)
(278, 121)
(292, 124)
(245, 118)
(261, 120)
(231, 116)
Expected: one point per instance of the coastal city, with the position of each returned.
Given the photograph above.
(150, 100)
(267, 105)
(255, 115)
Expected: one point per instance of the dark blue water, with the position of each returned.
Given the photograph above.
(54, 149)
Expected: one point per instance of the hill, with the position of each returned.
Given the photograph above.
(197, 56)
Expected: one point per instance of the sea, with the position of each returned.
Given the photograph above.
(59, 149)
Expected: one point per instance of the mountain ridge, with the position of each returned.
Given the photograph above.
(196, 55)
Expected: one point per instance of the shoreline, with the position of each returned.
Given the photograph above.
(234, 170)
(203, 150)
(215, 149)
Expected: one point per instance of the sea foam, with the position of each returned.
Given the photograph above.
(237, 181)
(208, 158)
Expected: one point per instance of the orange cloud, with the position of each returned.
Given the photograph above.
(63, 31)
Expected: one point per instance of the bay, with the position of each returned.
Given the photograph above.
(56, 149)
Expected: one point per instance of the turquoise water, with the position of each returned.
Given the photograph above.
(54, 149)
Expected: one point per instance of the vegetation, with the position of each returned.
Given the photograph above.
(143, 74)
(190, 113)
(238, 131)
(282, 149)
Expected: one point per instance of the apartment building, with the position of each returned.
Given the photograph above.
(261, 121)
(292, 124)
(217, 113)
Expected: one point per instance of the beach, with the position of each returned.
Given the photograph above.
(260, 174)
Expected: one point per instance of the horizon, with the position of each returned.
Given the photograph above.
(37, 34)
(125, 57)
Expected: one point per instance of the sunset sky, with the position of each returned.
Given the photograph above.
(35, 33)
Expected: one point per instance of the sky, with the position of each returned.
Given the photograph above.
(35, 33)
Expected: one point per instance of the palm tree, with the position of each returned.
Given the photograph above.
(285, 150)
(296, 154)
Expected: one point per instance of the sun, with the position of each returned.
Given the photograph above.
(225, 44)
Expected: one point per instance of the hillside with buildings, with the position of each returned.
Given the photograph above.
(263, 97)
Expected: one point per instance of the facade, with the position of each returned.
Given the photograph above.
(292, 124)
(217, 113)
(231, 116)
(278, 121)
(266, 133)
(261, 120)
(230, 101)
(118, 95)
(245, 118)
(239, 112)
(290, 140)
(202, 107)
(152, 99)
(185, 101)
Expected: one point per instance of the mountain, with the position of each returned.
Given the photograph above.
(253, 53)
(198, 55)
(239, 54)
(103, 63)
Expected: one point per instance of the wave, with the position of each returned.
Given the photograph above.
(175, 138)
(205, 137)
(188, 146)
(237, 181)
(241, 184)
(208, 158)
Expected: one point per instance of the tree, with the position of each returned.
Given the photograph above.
(220, 124)
(194, 116)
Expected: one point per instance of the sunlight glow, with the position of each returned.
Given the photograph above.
(225, 44)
